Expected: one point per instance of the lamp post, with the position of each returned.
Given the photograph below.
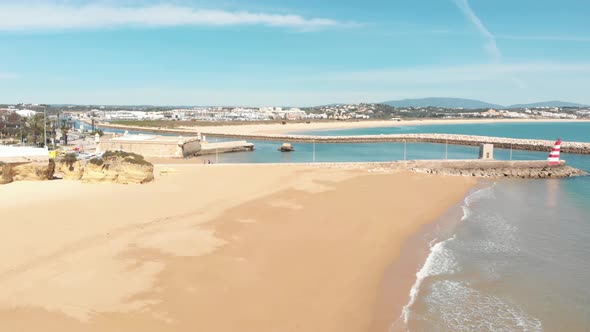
(313, 158)
(44, 127)
(405, 150)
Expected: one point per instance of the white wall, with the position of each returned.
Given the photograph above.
(12, 154)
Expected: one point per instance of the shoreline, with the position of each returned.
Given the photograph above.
(296, 128)
(401, 274)
(247, 263)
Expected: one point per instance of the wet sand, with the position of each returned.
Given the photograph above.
(211, 248)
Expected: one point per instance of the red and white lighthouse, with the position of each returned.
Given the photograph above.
(554, 154)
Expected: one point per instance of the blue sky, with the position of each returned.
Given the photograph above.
(297, 53)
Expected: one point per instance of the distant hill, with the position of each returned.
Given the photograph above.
(442, 102)
(554, 103)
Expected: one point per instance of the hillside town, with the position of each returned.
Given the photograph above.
(14, 119)
(329, 112)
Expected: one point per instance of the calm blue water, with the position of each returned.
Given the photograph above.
(568, 131)
(520, 258)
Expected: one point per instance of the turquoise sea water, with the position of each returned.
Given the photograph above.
(519, 260)
(568, 131)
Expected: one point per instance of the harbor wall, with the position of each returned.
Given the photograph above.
(165, 149)
(469, 140)
(224, 147)
(524, 169)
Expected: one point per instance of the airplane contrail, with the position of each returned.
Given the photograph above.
(491, 45)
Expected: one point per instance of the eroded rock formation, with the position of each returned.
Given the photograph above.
(39, 171)
(118, 167)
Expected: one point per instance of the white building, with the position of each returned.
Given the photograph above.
(26, 113)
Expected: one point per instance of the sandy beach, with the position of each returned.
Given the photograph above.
(211, 248)
(298, 127)
(289, 128)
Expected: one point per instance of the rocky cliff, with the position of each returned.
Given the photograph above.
(118, 167)
(113, 167)
(39, 171)
(69, 170)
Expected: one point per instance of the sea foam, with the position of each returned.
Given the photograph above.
(439, 261)
(476, 196)
(463, 308)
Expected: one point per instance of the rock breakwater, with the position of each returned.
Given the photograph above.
(470, 140)
(538, 169)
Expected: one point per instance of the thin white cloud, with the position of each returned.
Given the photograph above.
(26, 17)
(491, 45)
(547, 38)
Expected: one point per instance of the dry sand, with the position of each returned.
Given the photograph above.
(290, 128)
(210, 248)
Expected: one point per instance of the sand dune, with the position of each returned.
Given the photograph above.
(210, 248)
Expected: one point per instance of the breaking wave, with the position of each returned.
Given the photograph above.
(439, 261)
(463, 308)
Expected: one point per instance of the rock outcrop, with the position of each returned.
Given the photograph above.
(112, 167)
(5, 176)
(38, 171)
(524, 169)
(118, 167)
(69, 170)
(523, 173)
(286, 147)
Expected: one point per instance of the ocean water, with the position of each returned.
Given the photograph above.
(518, 260)
(568, 131)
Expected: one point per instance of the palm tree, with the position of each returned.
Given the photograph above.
(35, 125)
(53, 130)
(65, 128)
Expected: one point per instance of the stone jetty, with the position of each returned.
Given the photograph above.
(471, 140)
(224, 147)
(522, 169)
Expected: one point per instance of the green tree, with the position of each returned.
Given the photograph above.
(53, 130)
(65, 129)
(34, 125)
